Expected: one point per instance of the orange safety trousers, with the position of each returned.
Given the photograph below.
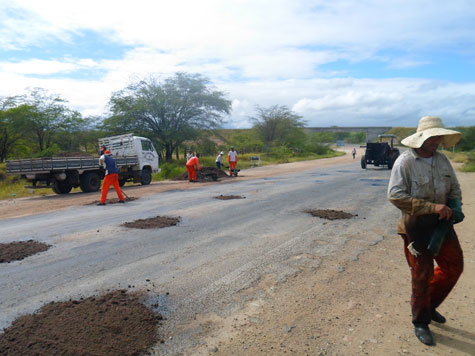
(109, 179)
(191, 173)
(232, 165)
(431, 286)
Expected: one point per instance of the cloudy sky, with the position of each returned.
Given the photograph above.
(335, 62)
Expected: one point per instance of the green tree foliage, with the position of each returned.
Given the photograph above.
(43, 117)
(278, 125)
(246, 141)
(171, 111)
(9, 136)
(467, 142)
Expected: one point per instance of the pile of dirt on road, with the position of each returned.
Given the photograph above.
(205, 174)
(19, 250)
(228, 197)
(153, 223)
(330, 214)
(116, 323)
(112, 201)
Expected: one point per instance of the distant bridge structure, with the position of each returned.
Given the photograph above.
(372, 132)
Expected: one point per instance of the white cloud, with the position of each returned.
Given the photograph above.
(260, 52)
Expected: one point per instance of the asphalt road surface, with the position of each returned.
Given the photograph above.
(220, 248)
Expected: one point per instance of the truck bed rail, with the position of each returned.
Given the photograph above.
(44, 165)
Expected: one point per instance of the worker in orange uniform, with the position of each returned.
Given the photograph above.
(111, 177)
(232, 159)
(190, 166)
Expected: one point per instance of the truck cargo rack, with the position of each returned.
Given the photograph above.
(44, 165)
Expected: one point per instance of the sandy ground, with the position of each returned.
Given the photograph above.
(358, 308)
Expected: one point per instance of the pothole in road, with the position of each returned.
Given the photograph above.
(228, 197)
(18, 250)
(116, 323)
(330, 214)
(153, 223)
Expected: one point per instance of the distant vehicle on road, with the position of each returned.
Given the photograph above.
(135, 157)
(380, 153)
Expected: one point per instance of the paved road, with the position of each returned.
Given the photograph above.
(219, 248)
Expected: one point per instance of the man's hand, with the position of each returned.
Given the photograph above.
(444, 211)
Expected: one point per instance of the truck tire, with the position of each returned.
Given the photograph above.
(146, 177)
(122, 182)
(363, 162)
(62, 187)
(90, 182)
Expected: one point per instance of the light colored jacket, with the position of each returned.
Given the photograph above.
(416, 186)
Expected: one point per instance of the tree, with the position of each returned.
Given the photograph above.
(10, 113)
(43, 116)
(278, 124)
(172, 110)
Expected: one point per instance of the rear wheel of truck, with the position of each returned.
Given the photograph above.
(363, 162)
(122, 182)
(90, 182)
(146, 177)
(62, 187)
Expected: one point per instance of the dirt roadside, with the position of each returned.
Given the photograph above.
(350, 307)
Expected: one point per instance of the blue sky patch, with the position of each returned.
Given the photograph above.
(438, 66)
(85, 44)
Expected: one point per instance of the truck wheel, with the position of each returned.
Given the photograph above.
(363, 162)
(90, 182)
(146, 177)
(62, 187)
(122, 182)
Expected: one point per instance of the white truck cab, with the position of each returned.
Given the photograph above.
(130, 145)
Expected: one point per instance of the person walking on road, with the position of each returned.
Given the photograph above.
(190, 154)
(232, 159)
(190, 166)
(111, 177)
(424, 187)
(353, 152)
(219, 160)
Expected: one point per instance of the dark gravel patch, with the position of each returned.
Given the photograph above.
(153, 223)
(330, 214)
(205, 174)
(228, 197)
(113, 200)
(18, 250)
(116, 323)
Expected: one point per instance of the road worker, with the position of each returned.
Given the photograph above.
(232, 159)
(219, 160)
(424, 187)
(190, 166)
(111, 177)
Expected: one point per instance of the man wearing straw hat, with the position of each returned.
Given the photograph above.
(424, 187)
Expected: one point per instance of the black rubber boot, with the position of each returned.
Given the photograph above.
(437, 317)
(423, 334)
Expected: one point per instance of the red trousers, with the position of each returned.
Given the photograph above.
(191, 173)
(109, 179)
(232, 165)
(431, 286)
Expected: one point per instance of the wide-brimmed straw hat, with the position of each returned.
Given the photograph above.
(430, 126)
